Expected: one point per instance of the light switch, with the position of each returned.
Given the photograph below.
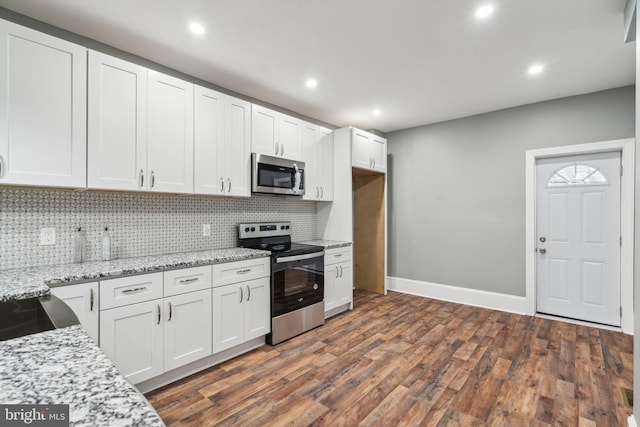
(47, 236)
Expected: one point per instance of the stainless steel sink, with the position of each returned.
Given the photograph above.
(32, 315)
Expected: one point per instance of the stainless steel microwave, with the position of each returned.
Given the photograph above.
(274, 175)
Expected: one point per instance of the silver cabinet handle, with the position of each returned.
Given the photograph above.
(374, 162)
(158, 322)
(228, 185)
(248, 293)
(245, 271)
(277, 148)
(221, 184)
(153, 179)
(337, 255)
(241, 294)
(191, 280)
(141, 178)
(317, 192)
(322, 192)
(543, 251)
(1, 167)
(133, 290)
(170, 311)
(340, 271)
(282, 149)
(337, 272)
(91, 299)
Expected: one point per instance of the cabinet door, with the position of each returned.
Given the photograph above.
(170, 148)
(290, 137)
(117, 117)
(83, 299)
(238, 147)
(257, 313)
(187, 328)
(132, 337)
(344, 284)
(228, 317)
(360, 154)
(209, 142)
(312, 163)
(379, 153)
(43, 109)
(331, 273)
(324, 151)
(264, 128)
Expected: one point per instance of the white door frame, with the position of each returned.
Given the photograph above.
(627, 183)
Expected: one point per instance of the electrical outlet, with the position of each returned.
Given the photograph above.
(47, 236)
(206, 230)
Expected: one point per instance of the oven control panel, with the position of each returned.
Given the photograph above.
(264, 229)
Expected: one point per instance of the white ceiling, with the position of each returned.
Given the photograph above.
(418, 61)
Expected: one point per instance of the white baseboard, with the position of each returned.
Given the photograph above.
(474, 297)
(631, 421)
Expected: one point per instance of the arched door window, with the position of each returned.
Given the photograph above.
(576, 175)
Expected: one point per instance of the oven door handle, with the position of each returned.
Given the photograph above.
(299, 257)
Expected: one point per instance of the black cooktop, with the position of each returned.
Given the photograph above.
(274, 237)
(288, 248)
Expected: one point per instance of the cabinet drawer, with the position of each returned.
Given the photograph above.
(129, 290)
(332, 256)
(239, 271)
(187, 280)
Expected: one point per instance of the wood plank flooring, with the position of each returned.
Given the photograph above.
(406, 360)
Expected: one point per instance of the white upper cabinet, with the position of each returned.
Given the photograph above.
(368, 151)
(222, 144)
(318, 159)
(275, 134)
(43, 107)
(170, 124)
(117, 146)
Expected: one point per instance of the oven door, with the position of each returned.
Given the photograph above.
(274, 175)
(297, 281)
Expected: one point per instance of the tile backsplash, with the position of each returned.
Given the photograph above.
(139, 223)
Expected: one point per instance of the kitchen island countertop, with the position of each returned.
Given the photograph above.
(64, 366)
(30, 282)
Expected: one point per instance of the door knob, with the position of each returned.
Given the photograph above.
(543, 251)
(543, 239)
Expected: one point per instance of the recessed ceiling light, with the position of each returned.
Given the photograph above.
(376, 112)
(484, 11)
(196, 28)
(536, 69)
(312, 83)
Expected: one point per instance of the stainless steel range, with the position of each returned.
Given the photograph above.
(297, 278)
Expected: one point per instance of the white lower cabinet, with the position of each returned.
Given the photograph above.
(132, 337)
(338, 278)
(241, 312)
(147, 338)
(83, 299)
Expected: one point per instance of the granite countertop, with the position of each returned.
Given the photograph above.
(327, 244)
(64, 366)
(21, 283)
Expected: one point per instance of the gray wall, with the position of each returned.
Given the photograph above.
(457, 188)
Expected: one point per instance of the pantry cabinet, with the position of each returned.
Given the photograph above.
(84, 300)
(222, 144)
(318, 159)
(368, 151)
(338, 280)
(43, 109)
(275, 134)
(117, 124)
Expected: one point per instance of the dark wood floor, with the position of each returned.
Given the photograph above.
(406, 360)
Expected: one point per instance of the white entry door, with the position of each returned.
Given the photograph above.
(578, 237)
